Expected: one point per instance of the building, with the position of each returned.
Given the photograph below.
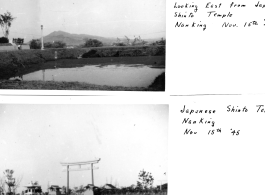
(33, 189)
(54, 190)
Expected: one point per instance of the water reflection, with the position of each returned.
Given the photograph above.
(136, 75)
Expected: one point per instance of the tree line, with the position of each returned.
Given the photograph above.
(36, 44)
(144, 185)
(9, 185)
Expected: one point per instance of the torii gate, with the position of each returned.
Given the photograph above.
(67, 164)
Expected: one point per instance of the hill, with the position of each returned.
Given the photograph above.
(74, 39)
(77, 39)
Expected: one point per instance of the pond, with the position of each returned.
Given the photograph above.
(126, 75)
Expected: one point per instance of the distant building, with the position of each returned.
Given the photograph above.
(90, 189)
(20, 44)
(33, 189)
(54, 190)
(108, 189)
(162, 187)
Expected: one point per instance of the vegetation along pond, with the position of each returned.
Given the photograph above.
(126, 72)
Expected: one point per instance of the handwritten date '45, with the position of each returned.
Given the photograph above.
(234, 132)
(212, 132)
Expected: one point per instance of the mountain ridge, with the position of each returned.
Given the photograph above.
(74, 39)
(77, 39)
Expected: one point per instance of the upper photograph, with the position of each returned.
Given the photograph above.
(106, 45)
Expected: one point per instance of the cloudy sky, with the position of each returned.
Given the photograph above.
(34, 139)
(112, 18)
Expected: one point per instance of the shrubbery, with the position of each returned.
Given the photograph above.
(35, 44)
(55, 44)
(92, 43)
(4, 40)
(125, 52)
(48, 45)
(120, 44)
(161, 42)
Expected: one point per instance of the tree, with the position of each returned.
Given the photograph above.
(161, 42)
(4, 40)
(63, 190)
(74, 191)
(11, 182)
(17, 184)
(58, 44)
(145, 180)
(93, 43)
(55, 44)
(139, 41)
(5, 22)
(2, 185)
(81, 189)
(48, 45)
(35, 44)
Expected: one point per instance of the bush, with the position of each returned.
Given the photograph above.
(35, 44)
(55, 44)
(92, 53)
(58, 44)
(18, 41)
(48, 45)
(93, 43)
(161, 42)
(120, 44)
(125, 51)
(4, 40)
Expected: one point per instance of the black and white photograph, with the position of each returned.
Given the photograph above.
(62, 149)
(114, 45)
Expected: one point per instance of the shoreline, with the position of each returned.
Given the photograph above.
(157, 85)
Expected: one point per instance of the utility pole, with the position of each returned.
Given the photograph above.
(67, 189)
(42, 47)
(92, 176)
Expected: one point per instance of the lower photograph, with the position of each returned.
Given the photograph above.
(83, 149)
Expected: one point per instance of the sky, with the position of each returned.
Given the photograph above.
(112, 18)
(34, 139)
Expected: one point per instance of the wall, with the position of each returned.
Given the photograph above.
(23, 47)
(8, 48)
